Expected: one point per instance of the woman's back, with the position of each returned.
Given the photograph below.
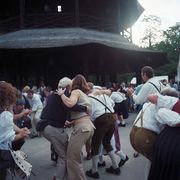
(84, 101)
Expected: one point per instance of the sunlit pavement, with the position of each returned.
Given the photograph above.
(38, 150)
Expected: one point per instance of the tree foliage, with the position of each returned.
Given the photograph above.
(171, 45)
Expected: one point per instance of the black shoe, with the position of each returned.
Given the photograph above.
(34, 136)
(122, 162)
(89, 156)
(121, 125)
(103, 164)
(111, 170)
(93, 175)
(136, 154)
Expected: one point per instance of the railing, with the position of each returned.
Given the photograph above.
(54, 20)
(45, 20)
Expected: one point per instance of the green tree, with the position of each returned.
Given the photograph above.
(171, 45)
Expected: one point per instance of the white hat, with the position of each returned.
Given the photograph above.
(64, 82)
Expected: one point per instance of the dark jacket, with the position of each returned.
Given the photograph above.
(56, 112)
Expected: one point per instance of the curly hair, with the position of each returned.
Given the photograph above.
(79, 82)
(8, 95)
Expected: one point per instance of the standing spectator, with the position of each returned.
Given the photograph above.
(24, 96)
(173, 84)
(46, 91)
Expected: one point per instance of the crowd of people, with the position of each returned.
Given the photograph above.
(95, 114)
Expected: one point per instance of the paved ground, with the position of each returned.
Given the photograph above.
(38, 151)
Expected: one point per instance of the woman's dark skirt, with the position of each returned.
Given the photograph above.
(166, 158)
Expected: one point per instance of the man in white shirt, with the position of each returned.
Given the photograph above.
(37, 106)
(120, 107)
(103, 117)
(152, 85)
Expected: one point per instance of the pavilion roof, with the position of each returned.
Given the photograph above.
(62, 37)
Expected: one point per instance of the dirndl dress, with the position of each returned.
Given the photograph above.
(166, 157)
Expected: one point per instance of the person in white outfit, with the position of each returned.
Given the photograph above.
(150, 119)
(36, 107)
(102, 115)
(151, 85)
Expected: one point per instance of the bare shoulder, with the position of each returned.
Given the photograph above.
(76, 92)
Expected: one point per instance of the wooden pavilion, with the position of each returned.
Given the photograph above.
(84, 39)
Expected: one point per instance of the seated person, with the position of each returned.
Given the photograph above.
(21, 119)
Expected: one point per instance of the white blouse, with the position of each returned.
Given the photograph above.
(166, 101)
(155, 117)
(7, 134)
(166, 116)
(117, 97)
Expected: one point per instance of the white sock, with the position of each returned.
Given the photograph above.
(112, 157)
(95, 163)
(101, 159)
(123, 122)
(121, 154)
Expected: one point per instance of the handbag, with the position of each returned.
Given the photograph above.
(142, 139)
(22, 167)
(6, 159)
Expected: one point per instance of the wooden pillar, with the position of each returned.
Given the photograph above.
(113, 77)
(22, 13)
(85, 67)
(77, 13)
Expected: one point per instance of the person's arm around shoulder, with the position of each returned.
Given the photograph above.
(69, 101)
(141, 97)
(101, 91)
(162, 101)
(153, 98)
(169, 117)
